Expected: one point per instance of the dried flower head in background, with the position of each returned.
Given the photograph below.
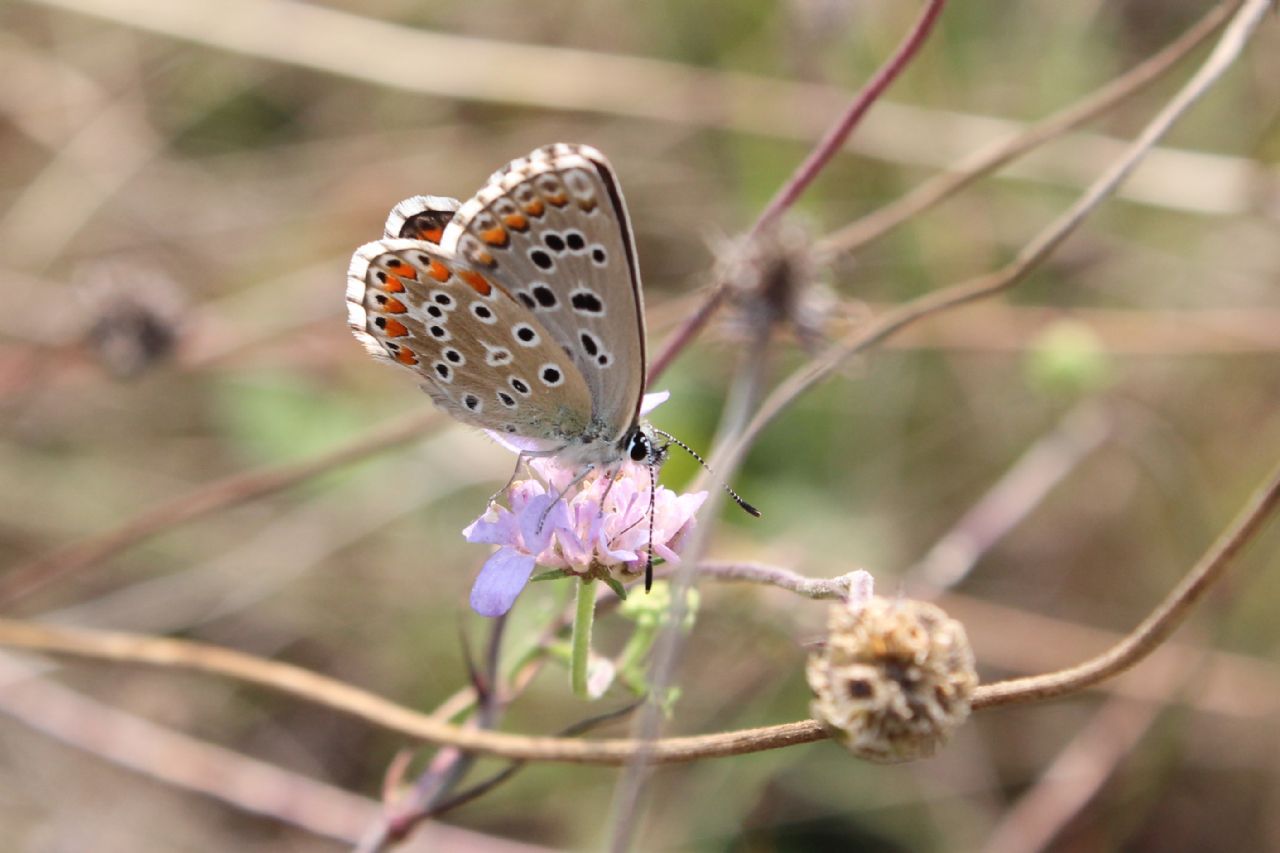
(131, 316)
(894, 679)
(775, 281)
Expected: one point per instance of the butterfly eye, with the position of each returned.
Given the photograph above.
(638, 448)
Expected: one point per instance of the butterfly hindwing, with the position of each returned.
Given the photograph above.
(553, 229)
(422, 217)
(483, 356)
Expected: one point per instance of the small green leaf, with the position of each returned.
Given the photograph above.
(616, 586)
(549, 575)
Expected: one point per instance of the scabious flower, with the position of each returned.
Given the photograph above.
(594, 529)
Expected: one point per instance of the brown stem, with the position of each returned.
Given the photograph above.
(804, 175)
(1155, 628)
(1229, 47)
(835, 137)
(286, 678)
(983, 162)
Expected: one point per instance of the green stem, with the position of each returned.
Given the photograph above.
(581, 653)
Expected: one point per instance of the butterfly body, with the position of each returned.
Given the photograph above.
(520, 310)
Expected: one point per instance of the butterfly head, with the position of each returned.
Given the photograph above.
(641, 445)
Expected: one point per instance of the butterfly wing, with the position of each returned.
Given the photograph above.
(483, 356)
(553, 228)
(422, 217)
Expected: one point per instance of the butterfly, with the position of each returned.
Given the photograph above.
(521, 310)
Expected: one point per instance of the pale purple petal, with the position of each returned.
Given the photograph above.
(496, 527)
(661, 550)
(519, 443)
(537, 522)
(652, 401)
(503, 577)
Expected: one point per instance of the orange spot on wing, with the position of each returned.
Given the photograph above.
(483, 258)
(535, 208)
(404, 355)
(516, 221)
(496, 236)
(478, 283)
(438, 271)
(559, 199)
(395, 329)
(394, 306)
(431, 235)
(587, 204)
(393, 285)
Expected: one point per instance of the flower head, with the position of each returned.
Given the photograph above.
(599, 525)
(894, 679)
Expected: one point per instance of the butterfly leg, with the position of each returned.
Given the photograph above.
(612, 474)
(575, 481)
(521, 459)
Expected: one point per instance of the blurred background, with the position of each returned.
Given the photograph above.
(181, 187)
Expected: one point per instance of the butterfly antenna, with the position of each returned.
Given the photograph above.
(746, 507)
(648, 562)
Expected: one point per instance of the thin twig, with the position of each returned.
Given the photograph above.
(1074, 777)
(286, 678)
(429, 795)
(1155, 628)
(1080, 432)
(485, 786)
(830, 144)
(835, 138)
(189, 764)
(1229, 47)
(209, 498)
(687, 331)
(294, 680)
(986, 160)
(816, 588)
(369, 51)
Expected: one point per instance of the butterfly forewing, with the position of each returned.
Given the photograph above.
(485, 358)
(553, 229)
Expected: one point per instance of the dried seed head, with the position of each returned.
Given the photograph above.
(894, 679)
(775, 280)
(132, 316)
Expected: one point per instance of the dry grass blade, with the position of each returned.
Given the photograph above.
(210, 498)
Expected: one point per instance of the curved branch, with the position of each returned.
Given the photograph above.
(987, 160)
(1155, 628)
(121, 647)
